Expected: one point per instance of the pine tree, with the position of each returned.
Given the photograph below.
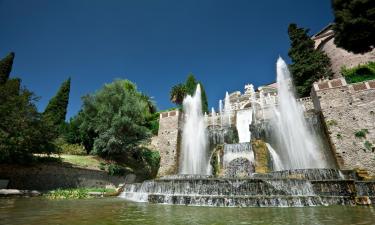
(354, 24)
(309, 64)
(56, 109)
(6, 67)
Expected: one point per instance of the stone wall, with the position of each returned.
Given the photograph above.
(324, 40)
(168, 143)
(347, 109)
(53, 176)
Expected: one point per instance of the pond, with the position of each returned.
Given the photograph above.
(37, 211)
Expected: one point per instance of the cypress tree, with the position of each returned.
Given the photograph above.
(309, 64)
(204, 99)
(191, 84)
(354, 24)
(6, 67)
(55, 111)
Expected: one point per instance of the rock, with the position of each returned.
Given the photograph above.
(16, 192)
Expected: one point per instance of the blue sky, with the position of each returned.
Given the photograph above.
(154, 43)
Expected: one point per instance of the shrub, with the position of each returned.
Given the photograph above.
(359, 73)
(116, 170)
(361, 133)
(69, 149)
(368, 145)
(79, 193)
(331, 123)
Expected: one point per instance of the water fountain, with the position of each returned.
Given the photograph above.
(194, 158)
(298, 146)
(298, 178)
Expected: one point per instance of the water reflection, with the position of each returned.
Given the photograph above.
(35, 211)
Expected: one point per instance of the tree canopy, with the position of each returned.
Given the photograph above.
(118, 114)
(6, 67)
(354, 24)
(22, 131)
(179, 92)
(55, 112)
(308, 64)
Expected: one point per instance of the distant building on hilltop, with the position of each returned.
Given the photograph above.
(339, 57)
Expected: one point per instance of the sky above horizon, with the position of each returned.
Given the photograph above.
(154, 43)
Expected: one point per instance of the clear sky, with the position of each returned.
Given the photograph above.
(154, 43)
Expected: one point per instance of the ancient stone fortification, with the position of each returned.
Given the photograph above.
(324, 40)
(349, 116)
(168, 142)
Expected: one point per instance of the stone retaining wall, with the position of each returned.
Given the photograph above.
(53, 176)
(347, 109)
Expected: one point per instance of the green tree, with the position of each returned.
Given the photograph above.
(117, 113)
(6, 67)
(22, 131)
(308, 64)
(204, 98)
(354, 24)
(55, 112)
(177, 94)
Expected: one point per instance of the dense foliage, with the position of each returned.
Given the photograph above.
(179, 92)
(22, 131)
(359, 73)
(354, 24)
(308, 64)
(117, 114)
(55, 112)
(6, 67)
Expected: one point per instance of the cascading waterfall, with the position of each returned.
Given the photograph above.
(244, 118)
(276, 161)
(194, 159)
(299, 146)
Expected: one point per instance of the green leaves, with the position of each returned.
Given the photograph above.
(118, 114)
(354, 25)
(179, 92)
(6, 67)
(55, 112)
(309, 64)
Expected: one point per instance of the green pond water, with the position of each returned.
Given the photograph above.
(39, 211)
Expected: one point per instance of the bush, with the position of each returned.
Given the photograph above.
(116, 170)
(361, 133)
(79, 193)
(359, 73)
(69, 149)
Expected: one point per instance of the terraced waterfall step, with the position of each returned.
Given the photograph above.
(274, 189)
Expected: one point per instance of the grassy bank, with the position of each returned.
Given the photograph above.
(79, 193)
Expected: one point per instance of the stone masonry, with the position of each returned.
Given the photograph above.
(324, 40)
(167, 142)
(348, 109)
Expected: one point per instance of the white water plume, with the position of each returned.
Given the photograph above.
(194, 159)
(299, 149)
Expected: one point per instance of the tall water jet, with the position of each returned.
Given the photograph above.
(299, 146)
(213, 116)
(221, 112)
(227, 110)
(194, 159)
